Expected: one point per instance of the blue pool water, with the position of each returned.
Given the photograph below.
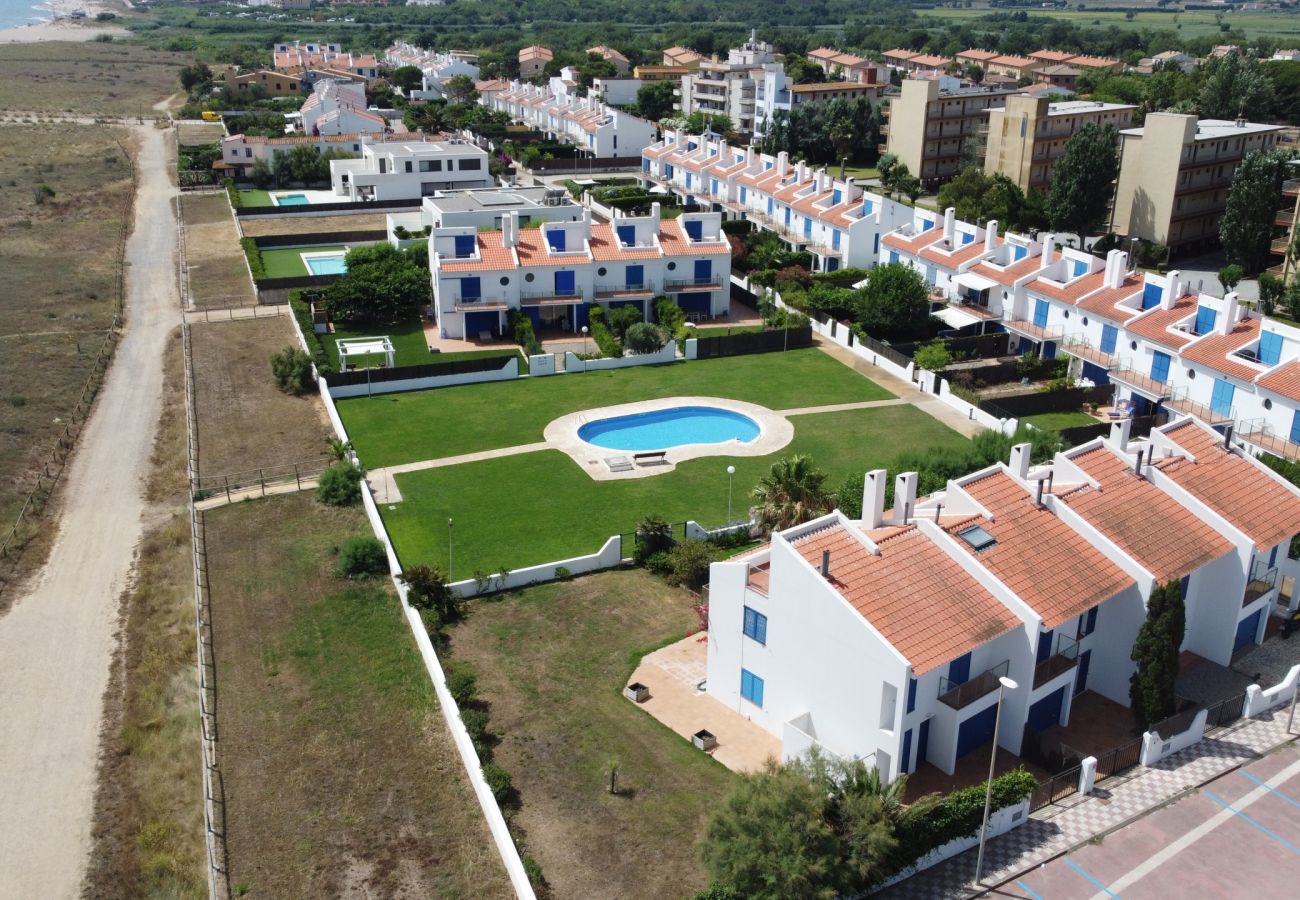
(291, 200)
(327, 265)
(669, 428)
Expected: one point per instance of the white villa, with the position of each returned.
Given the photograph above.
(399, 170)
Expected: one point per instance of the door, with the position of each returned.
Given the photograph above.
(1041, 309)
(1081, 679)
(470, 289)
(555, 239)
(703, 271)
(1221, 398)
(1109, 338)
(1295, 428)
(626, 235)
(976, 731)
(564, 284)
(923, 742)
(465, 245)
(1160, 367)
(694, 229)
(477, 323)
(1047, 712)
(1044, 647)
(635, 277)
(959, 670)
(905, 764)
(1246, 629)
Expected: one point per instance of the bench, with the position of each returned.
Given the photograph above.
(656, 456)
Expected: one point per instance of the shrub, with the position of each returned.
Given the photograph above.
(475, 721)
(737, 226)
(533, 870)
(622, 318)
(291, 369)
(236, 201)
(498, 781)
(299, 306)
(427, 589)
(688, 563)
(340, 485)
(254, 257)
(933, 357)
(600, 333)
(521, 327)
(669, 314)
(653, 535)
(841, 277)
(462, 683)
(362, 557)
(644, 338)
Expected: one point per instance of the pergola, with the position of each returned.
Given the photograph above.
(350, 348)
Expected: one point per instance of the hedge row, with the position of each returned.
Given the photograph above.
(601, 334)
(254, 257)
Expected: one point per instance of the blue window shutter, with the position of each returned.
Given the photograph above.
(1091, 624)
(1205, 317)
(626, 234)
(1151, 295)
(565, 284)
(927, 224)
(787, 217)
(836, 196)
(893, 256)
(769, 206)
(1019, 253)
(1041, 310)
(1221, 398)
(555, 239)
(1184, 583)
(1270, 348)
(866, 207)
(1160, 367)
(905, 765)
(688, 179)
(645, 165)
(751, 687)
(743, 193)
(703, 270)
(1295, 428)
(967, 237)
(694, 229)
(1079, 267)
(465, 245)
(807, 227)
(911, 695)
(1109, 337)
(959, 670)
(1272, 557)
(715, 185)
(469, 289)
(635, 276)
(835, 238)
(875, 245)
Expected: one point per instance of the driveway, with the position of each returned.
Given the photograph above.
(57, 641)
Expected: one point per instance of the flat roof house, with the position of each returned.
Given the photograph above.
(395, 170)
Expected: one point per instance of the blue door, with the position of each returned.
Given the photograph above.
(703, 271)
(1246, 629)
(1109, 337)
(1044, 647)
(635, 277)
(555, 239)
(478, 322)
(1095, 373)
(465, 245)
(694, 229)
(626, 234)
(905, 765)
(1047, 712)
(1151, 294)
(470, 289)
(923, 742)
(1081, 679)
(564, 284)
(959, 670)
(1160, 367)
(1295, 428)
(787, 217)
(976, 731)
(1041, 309)
(696, 303)
(807, 227)
(1221, 398)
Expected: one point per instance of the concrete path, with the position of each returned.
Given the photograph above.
(58, 639)
(255, 493)
(840, 407)
(384, 484)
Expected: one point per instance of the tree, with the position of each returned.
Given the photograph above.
(933, 357)
(1271, 291)
(700, 122)
(1231, 86)
(408, 78)
(261, 174)
(382, 286)
(460, 89)
(1246, 229)
(1081, 182)
(291, 369)
(430, 118)
(427, 590)
(340, 485)
(896, 302)
(655, 99)
(195, 76)
(643, 337)
(1230, 276)
(886, 165)
(793, 491)
(1151, 688)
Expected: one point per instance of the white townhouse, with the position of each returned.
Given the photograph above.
(337, 107)
(600, 130)
(436, 67)
(400, 170)
(488, 209)
(554, 271)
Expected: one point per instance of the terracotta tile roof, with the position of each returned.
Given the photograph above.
(933, 62)
(977, 54)
(1054, 55)
(533, 252)
(915, 243)
(788, 193)
(1214, 351)
(839, 215)
(1284, 380)
(833, 87)
(1039, 557)
(823, 53)
(731, 168)
(1105, 301)
(657, 152)
(1155, 324)
(1126, 507)
(899, 53)
(1071, 292)
(1018, 62)
(1093, 62)
(492, 255)
(675, 243)
(1008, 275)
(604, 245)
(963, 253)
(700, 162)
(815, 204)
(926, 605)
(535, 52)
(766, 179)
(1267, 512)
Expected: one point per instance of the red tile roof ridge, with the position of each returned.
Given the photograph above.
(1283, 379)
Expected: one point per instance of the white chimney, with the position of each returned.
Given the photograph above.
(904, 497)
(1020, 460)
(749, 155)
(654, 211)
(586, 223)
(873, 498)
(800, 172)
(1231, 309)
(990, 235)
(1119, 433)
(1049, 249)
(949, 225)
(508, 230)
(1173, 290)
(782, 163)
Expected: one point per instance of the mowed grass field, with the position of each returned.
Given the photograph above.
(104, 79)
(538, 507)
(341, 779)
(551, 661)
(402, 428)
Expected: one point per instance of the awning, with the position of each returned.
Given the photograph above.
(974, 282)
(956, 317)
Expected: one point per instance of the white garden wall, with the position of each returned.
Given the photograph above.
(573, 364)
(508, 372)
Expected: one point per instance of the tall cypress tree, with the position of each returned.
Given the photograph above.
(1082, 180)
(1151, 689)
(1246, 230)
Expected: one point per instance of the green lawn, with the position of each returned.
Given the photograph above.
(1055, 421)
(530, 509)
(286, 262)
(256, 198)
(409, 344)
(862, 173)
(400, 428)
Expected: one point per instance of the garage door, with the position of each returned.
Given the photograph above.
(1246, 629)
(976, 731)
(1047, 712)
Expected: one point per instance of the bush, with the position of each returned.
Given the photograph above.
(498, 781)
(653, 535)
(236, 200)
(933, 357)
(737, 226)
(622, 318)
(362, 557)
(688, 563)
(475, 721)
(427, 590)
(533, 870)
(643, 338)
(521, 328)
(340, 485)
(462, 683)
(841, 277)
(299, 306)
(254, 257)
(600, 333)
(669, 314)
(291, 369)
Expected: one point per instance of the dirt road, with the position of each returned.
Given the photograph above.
(56, 642)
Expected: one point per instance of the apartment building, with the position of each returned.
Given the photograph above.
(313, 55)
(533, 60)
(660, 73)
(1060, 76)
(590, 124)
(1286, 219)
(555, 271)
(337, 107)
(729, 88)
(273, 84)
(1013, 66)
(1175, 172)
(396, 170)
(928, 126)
(976, 56)
(1028, 135)
(1077, 60)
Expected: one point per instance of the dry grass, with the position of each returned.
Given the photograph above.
(148, 828)
(108, 79)
(341, 779)
(245, 422)
(60, 257)
(218, 274)
(256, 226)
(196, 134)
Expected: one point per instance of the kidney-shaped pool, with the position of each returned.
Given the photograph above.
(667, 428)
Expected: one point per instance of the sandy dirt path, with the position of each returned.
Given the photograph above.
(57, 641)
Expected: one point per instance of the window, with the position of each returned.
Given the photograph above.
(1205, 317)
(465, 245)
(694, 229)
(888, 706)
(408, 166)
(756, 626)
(430, 165)
(1160, 367)
(1221, 398)
(471, 165)
(911, 695)
(428, 188)
(978, 537)
(1270, 348)
(1041, 310)
(1109, 335)
(1019, 253)
(1087, 623)
(751, 687)
(1295, 428)
(1151, 295)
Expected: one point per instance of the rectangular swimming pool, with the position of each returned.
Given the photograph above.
(291, 200)
(334, 264)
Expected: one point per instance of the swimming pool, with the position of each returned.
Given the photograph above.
(667, 428)
(291, 200)
(325, 263)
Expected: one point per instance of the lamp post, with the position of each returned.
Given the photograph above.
(1004, 684)
(731, 472)
(451, 558)
(584, 349)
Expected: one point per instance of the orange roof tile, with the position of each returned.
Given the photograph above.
(1126, 506)
(533, 251)
(1105, 302)
(926, 605)
(1215, 351)
(1054, 55)
(1266, 511)
(1155, 324)
(1284, 380)
(492, 255)
(1039, 557)
(675, 243)
(1008, 275)
(914, 243)
(604, 245)
(794, 189)
(963, 253)
(1071, 292)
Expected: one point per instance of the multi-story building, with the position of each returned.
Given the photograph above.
(437, 68)
(929, 127)
(297, 56)
(976, 56)
(600, 130)
(533, 60)
(1028, 135)
(337, 107)
(394, 170)
(729, 88)
(660, 73)
(239, 152)
(848, 67)
(1286, 220)
(1061, 76)
(1098, 64)
(683, 56)
(488, 209)
(1175, 172)
(273, 84)
(610, 55)
(1052, 57)
(554, 272)
(1013, 66)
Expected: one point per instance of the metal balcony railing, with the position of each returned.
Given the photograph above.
(1291, 187)
(1122, 370)
(543, 298)
(687, 284)
(1065, 658)
(1263, 579)
(1077, 345)
(608, 291)
(1259, 433)
(960, 696)
(1180, 400)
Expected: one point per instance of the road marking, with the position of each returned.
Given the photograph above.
(1028, 890)
(1268, 831)
(1279, 793)
(1105, 890)
(1174, 848)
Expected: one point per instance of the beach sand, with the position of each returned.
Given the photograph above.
(63, 28)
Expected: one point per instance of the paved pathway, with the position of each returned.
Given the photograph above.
(1062, 827)
(253, 493)
(841, 407)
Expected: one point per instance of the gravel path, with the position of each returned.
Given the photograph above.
(57, 641)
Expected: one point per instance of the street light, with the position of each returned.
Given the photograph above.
(584, 349)
(1004, 684)
(731, 471)
(451, 559)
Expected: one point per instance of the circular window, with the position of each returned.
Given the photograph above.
(530, 276)
(600, 272)
(672, 266)
(1268, 404)
(1132, 345)
(1191, 374)
(1085, 321)
(1066, 313)
(505, 280)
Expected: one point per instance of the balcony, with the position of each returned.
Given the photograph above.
(548, 298)
(1031, 331)
(712, 283)
(623, 291)
(1259, 433)
(1063, 660)
(1083, 348)
(1125, 374)
(1279, 246)
(1291, 188)
(1285, 217)
(960, 696)
(1180, 401)
(1263, 580)
(758, 577)
(478, 304)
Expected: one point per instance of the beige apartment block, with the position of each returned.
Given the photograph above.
(1029, 134)
(928, 128)
(1175, 172)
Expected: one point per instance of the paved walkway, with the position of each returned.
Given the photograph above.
(253, 493)
(841, 407)
(1062, 827)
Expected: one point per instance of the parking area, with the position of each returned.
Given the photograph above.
(1239, 836)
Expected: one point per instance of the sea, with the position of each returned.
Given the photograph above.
(20, 12)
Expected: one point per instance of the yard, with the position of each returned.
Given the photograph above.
(340, 776)
(537, 507)
(286, 262)
(551, 661)
(252, 198)
(1055, 421)
(401, 428)
(218, 273)
(259, 226)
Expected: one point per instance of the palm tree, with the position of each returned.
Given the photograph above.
(794, 491)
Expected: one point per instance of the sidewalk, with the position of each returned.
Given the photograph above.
(1060, 827)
